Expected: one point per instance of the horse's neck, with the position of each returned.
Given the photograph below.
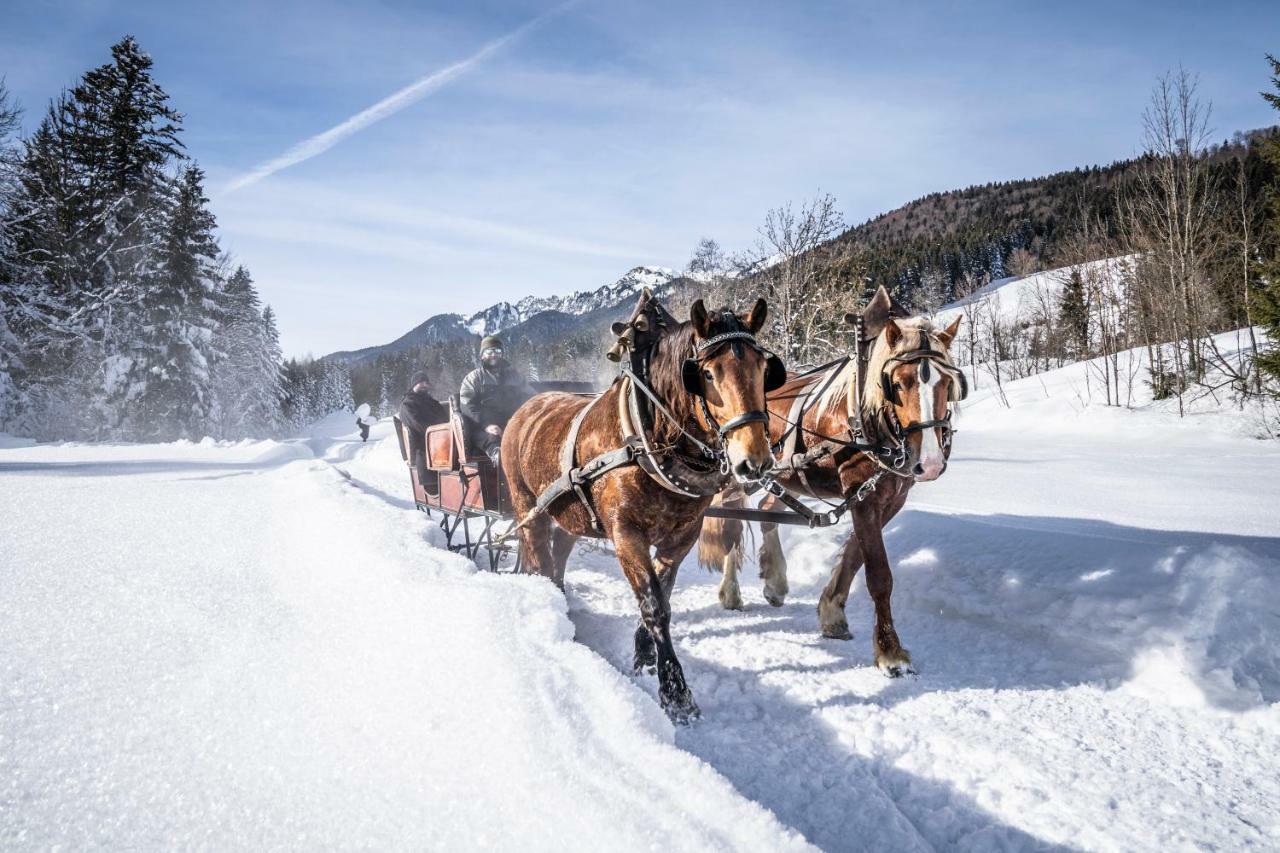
(830, 420)
(693, 425)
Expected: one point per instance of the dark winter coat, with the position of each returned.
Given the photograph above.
(419, 410)
(492, 395)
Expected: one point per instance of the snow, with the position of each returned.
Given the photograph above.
(1016, 296)
(261, 644)
(235, 646)
(1089, 596)
(504, 315)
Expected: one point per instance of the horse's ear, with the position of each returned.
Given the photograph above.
(877, 312)
(948, 334)
(756, 318)
(892, 332)
(698, 317)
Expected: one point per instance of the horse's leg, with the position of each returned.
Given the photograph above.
(720, 547)
(562, 542)
(655, 613)
(773, 563)
(831, 616)
(535, 540)
(868, 521)
(730, 593)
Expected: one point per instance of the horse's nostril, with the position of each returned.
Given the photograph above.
(918, 470)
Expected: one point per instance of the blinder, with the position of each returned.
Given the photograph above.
(691, 377)
(775, 371)
(775, 374)
(958, 390)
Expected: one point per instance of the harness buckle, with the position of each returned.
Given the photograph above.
(868, 487)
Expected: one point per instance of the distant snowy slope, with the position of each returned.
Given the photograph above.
(1018, 295)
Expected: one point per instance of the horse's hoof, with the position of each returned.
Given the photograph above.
(837, 632)
(897, 665)
(682, 712)
(775, 599)
(731, 600)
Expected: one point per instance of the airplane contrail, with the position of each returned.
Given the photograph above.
(393, 103)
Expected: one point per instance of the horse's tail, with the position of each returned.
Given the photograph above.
(722, 538)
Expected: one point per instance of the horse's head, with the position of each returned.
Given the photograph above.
(910, 382)
(731, 372)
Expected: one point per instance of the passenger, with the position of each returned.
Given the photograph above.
(490, 395)
(419, 410)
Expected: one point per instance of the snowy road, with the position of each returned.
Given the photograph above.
(261, 646)
(236, 648)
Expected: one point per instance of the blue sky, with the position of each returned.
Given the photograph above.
(614, 132)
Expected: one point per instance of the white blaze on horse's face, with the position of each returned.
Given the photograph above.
(932, 461)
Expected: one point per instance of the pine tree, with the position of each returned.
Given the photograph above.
(263, 413)
(1266, 297)
(1073, 308)
(166, 392)
(13, 283)
(247, 383)
(90, 208)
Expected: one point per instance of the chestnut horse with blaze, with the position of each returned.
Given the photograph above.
(707, 380)
(883, 415)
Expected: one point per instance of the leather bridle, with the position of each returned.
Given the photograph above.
(708, 348)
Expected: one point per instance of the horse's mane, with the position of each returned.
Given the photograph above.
(665, 374)
(917, 333)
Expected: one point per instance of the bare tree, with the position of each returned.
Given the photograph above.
(786, 259)
(1022, 263)
(1169, 218)
(1239, 240)
(967, 289)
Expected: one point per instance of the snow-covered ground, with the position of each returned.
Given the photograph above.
(221, 647)
(262, 645)
(1090, 595)
(1019, 296)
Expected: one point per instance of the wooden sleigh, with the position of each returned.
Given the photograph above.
(466, 490)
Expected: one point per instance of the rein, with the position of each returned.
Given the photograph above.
(659, 406)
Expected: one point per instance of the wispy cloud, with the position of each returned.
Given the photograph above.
(390, 105)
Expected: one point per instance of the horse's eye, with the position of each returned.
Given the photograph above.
(706, 374)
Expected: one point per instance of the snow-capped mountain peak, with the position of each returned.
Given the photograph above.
(504, 315)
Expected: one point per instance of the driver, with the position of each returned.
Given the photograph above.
(490, 395)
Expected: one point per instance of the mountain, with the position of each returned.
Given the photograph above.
(976, 230)
(505, 315)
(920, 250)
(440, 329)
(550, 315)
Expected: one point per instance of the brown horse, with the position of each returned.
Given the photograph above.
(704, 420)
(896, 392)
